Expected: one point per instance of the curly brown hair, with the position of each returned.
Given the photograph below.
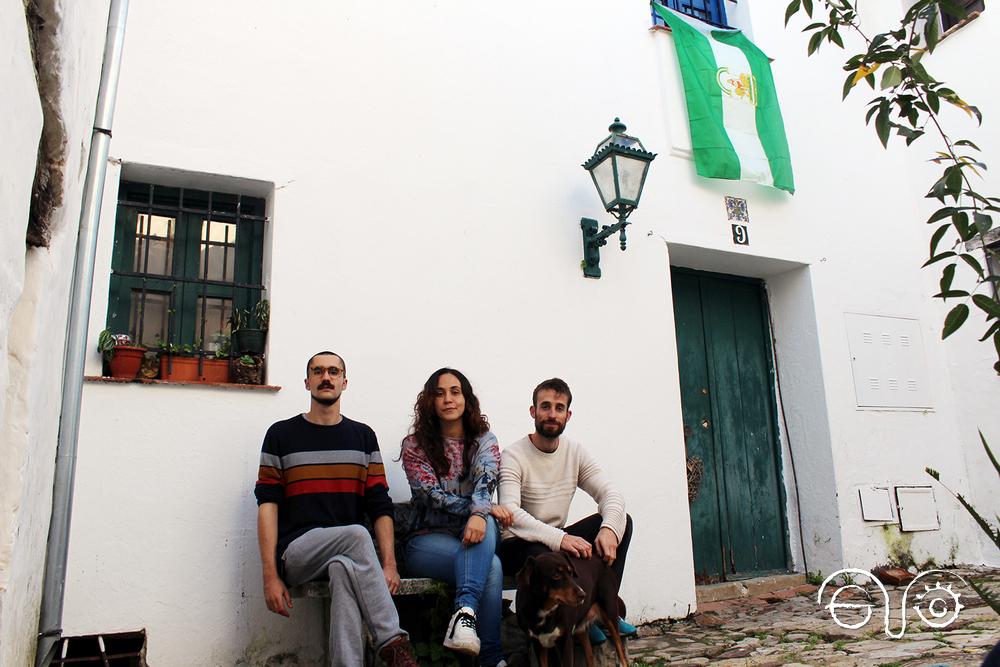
(427, 425)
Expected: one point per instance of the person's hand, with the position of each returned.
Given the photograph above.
(391, 575)
(607, 545)
(475, 530)
(576, 546)
(276, 596)
(503, 516)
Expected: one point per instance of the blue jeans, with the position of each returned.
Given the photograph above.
(475, 573)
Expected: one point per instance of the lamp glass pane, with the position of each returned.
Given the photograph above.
(630, 171)
(604, 176)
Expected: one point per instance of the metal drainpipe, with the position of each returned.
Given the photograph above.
(54, 583)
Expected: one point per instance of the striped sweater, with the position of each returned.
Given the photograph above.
(321, 476)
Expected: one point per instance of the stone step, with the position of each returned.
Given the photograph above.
(744, 588)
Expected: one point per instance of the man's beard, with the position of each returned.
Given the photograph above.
(326, 401)
(543, 429)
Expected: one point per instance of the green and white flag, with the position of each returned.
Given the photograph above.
(736, 127)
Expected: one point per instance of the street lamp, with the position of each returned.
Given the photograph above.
(618, 167)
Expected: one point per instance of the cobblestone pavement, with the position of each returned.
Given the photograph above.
(789, 627)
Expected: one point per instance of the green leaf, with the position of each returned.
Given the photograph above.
(973, 263)
(987, 305)
(835, 38)
(947, 276)
(848, 86)
(793, 8)
(953, 181)
(882, 126)
(954, 319)
(966, 142)
(891, 77)
(989, 453)
(808, 5)
(938, 258)
(933, 101)
(952, 294)
(941, 214)
(960, 221)
(994, 328)
(814, 42)
(937, 236)
(982, 221)
(932, 32)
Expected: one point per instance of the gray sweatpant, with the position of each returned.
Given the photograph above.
(347, 556)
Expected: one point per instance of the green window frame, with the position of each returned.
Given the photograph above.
(185, 279)
(949, 20)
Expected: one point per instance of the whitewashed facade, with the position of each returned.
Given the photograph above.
(421, 168)
(35, 284)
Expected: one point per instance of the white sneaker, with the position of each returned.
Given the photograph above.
(461, 635)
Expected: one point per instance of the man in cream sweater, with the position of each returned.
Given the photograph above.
(539, 475)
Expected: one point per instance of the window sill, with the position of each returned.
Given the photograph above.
(222, 385)
(972, 16)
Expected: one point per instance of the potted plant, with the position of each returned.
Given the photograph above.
(150, 369)
(247, 339)
(246, 369)
(123, 358)
(178, 363)
(215, 368)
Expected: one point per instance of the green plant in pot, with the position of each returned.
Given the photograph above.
(249, 328)
(178, 363)
(246, 369)
(122, 357)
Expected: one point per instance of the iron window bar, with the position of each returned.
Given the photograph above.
(151, 207)
(711, 12)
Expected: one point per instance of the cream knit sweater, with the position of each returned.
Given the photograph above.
(538, 488)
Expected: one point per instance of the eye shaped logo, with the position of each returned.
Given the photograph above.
(937, 606)
(945, 605)
(833, 606)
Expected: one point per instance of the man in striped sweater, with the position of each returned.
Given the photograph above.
(320, 474)
(539, 475)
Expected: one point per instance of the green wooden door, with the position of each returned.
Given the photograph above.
(726, 376)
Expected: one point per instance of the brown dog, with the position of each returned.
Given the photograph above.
(558, 597)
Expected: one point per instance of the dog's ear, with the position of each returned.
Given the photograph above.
(524, 575)
(569, 564)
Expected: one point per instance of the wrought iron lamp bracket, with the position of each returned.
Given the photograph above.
(593, 240)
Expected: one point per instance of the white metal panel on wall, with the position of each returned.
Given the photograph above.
(887, 358)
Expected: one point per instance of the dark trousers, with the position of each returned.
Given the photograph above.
(514, 551)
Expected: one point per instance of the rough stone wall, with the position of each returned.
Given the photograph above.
(51, 116)
(20, 129)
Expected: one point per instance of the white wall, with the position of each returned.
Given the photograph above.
(33, 298)
(970, 362)
(425, 212)
(20, 128)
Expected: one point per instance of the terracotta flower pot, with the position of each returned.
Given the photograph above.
(126, 360)
(215, 370)
(179, 369)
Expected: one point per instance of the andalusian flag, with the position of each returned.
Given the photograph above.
(736, 127)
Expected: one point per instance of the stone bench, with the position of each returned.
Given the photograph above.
(512, 638)
(407, 586)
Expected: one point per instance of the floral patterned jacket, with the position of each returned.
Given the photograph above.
(445, 504)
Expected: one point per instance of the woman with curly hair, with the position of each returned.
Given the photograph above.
(451, 460)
